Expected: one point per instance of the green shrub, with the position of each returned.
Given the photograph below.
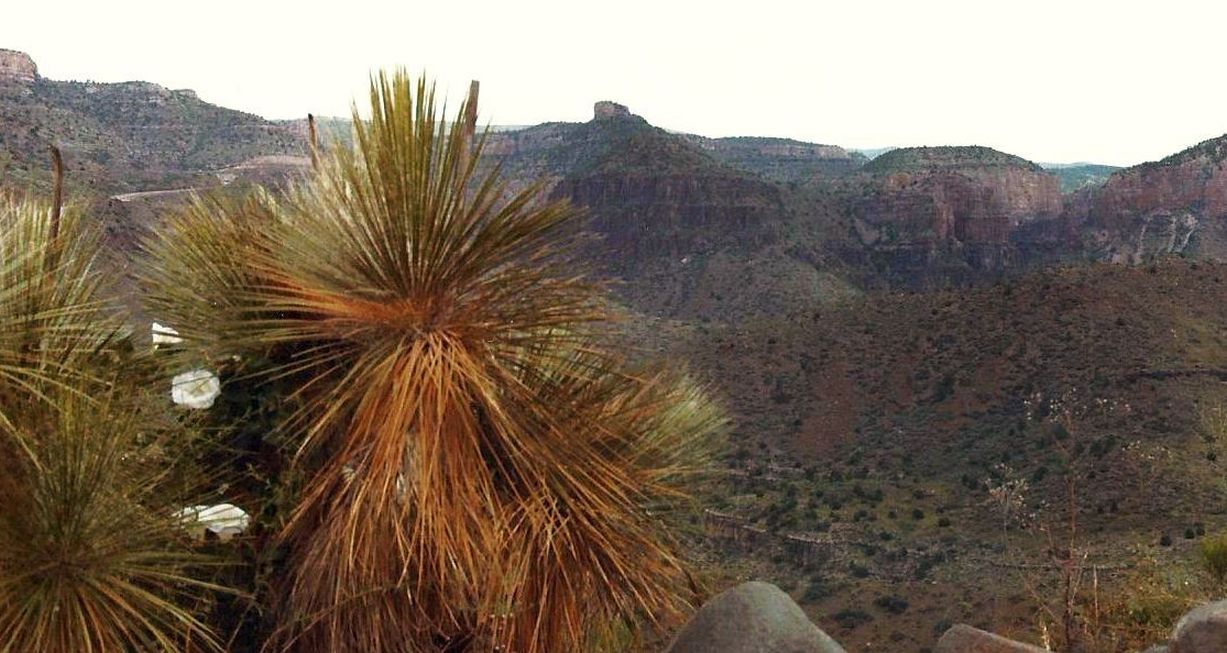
(850, 619)
(1214, 557)
(892, 604)
(815, 592)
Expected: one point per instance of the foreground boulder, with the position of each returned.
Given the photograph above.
(965, 639)
(1202, 630)
(753, 617)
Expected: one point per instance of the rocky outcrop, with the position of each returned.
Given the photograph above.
(753, 617)
(605, 110)
(757, 617)
(962, 638)
(1174, 206)
(17, 67)
(650, 195)
(1202, 630)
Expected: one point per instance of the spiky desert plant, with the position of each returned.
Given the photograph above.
(91, 556)
(54, 321)
(480, 470)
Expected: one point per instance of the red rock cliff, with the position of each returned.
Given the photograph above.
(972, 196)
(1176, 205)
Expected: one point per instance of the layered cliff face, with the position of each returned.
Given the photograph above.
(1175, 206)
(927, 215)
(679, 215)
(969, 194)
(782, 159)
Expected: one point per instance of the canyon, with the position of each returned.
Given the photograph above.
(876, 326)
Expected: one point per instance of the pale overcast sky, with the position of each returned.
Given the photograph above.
(1108, 81)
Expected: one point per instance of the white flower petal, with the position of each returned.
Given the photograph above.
(195, 389)
(224, 519)
(164, 335)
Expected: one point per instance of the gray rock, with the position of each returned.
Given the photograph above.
(962, 638)
(1157, 648)
(1202, 630)
(752, 618)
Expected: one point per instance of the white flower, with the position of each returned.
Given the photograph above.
(195, 389)
(164, 335)
(224, 520)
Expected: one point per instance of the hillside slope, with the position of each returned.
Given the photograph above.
(127, 136)
(874, 430)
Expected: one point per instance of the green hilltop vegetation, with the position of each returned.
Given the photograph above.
(1214, 150)
(913, 158)
(1080, 175)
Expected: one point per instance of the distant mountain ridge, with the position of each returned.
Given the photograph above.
(124, 136)
(692, 221)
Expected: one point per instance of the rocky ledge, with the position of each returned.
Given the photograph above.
(17, 66)
(758, 617)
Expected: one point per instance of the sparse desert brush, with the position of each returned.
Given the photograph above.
(1212, 419)
(92, 556)
(1138, 608)
(1214, 557)
(480, 470)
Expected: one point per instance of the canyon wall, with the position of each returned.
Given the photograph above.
(1174, 206)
